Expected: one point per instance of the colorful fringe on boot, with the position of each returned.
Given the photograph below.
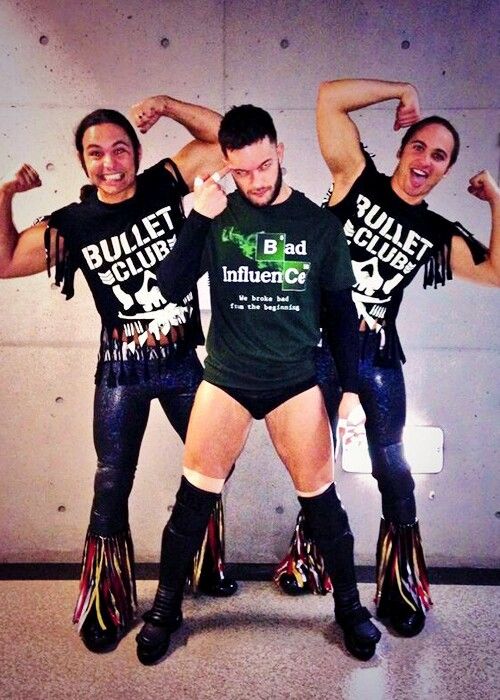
(107, 583)
(303, 565)
(209, 559)
(402, 577)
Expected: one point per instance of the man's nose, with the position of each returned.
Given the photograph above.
(426, 158)
(256, 178)
(108, 160)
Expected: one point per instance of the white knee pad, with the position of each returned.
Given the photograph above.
(318, 492)
(201, 481)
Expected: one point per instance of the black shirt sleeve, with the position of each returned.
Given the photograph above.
(181, 269)
(65, 260)
(437, 268)
(183, 188)
(340, 322)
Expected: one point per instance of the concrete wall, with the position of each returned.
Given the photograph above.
(61, 60)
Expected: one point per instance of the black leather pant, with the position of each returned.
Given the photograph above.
(120, 417)
(382, 395)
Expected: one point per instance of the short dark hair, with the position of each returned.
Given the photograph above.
(434, 120)
(244, 125)
(107, 116)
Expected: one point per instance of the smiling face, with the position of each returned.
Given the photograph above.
(256, 170)
(423, 163)
(108, 159)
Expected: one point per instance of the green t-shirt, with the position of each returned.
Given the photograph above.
(267, 267)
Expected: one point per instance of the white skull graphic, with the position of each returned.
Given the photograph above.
(150, 297)
(368, 279)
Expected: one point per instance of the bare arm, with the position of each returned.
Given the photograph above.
(21, 254)
(338, 135)
(200, 156)
(484, 187)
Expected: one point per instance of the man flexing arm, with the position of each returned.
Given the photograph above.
(340, 146)
(338, 135)
(110, 153)
(202, 155)
(23, 253)
(20, 254)
(385, 220)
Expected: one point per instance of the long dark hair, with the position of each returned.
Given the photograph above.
(107, 116)
(434, 120)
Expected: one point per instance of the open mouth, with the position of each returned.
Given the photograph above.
(418, 177)
(113, 177)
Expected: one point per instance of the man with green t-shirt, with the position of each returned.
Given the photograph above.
(275, 260)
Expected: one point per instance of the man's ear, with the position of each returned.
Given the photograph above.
(280, 150)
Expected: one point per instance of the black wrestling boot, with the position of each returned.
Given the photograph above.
(182, 536)
(329, 527)
(289, 585)
(407, 623)
(302, 570)
(212, 581)
(360, 635)
(107, 582)
(219, 587)
(401, 566)
(162, 620)
(97, 639)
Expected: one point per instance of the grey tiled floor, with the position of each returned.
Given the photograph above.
(260, 644)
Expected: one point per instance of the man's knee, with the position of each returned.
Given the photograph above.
(192, 509)
(325, 515)
(395, 482)
(390, 468)
(213, 484)
(112, 487)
